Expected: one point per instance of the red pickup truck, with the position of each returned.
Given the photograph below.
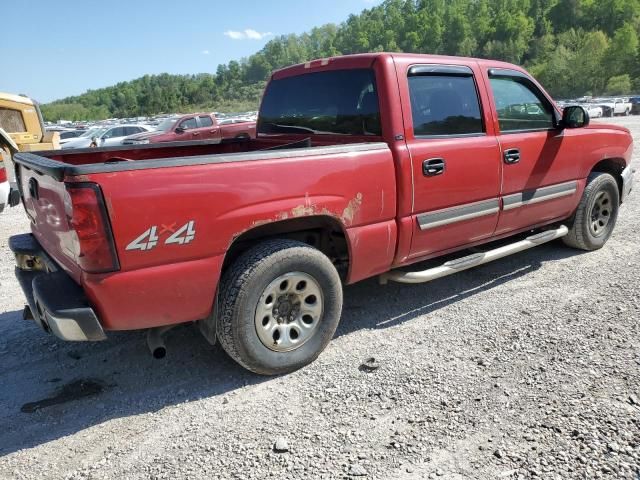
(193, 127)
(362, 164)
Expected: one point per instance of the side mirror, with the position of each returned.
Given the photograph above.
(574, 116)
(180, 129)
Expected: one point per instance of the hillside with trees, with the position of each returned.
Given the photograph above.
(574, 47)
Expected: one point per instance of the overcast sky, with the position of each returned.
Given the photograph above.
(56, 49)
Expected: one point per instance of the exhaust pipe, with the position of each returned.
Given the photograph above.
(155, 342)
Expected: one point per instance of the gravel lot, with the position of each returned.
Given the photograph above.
(525, 368)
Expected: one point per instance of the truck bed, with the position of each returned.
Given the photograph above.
(59, 163)
(174, 210)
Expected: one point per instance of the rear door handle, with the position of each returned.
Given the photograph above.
(433, 167)
(511, 156)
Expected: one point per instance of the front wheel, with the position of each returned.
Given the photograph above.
(279, 306)
(596, 215)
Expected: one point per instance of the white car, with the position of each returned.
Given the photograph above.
(106, 136)
(594, 111)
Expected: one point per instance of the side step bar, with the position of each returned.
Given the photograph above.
(473, 260)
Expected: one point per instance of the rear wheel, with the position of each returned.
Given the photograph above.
(596, 214)
(279, 306)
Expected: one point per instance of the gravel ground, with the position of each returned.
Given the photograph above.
(528, 367)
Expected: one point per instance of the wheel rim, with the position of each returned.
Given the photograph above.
(289, 311)
(601, 214)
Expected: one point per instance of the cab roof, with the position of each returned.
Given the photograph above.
(16, 98)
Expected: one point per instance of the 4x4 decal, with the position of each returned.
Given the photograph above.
(150, 237)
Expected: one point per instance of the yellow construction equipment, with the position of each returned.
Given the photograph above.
(20, 117)
(21, 130)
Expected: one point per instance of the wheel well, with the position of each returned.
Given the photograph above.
(322, 232)
(613, 166)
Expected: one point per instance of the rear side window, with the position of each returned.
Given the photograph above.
(520, 105)
(205, 122)
(444, 104)
(11, 121)
(341, 102)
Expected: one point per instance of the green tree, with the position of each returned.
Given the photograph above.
(619, 85)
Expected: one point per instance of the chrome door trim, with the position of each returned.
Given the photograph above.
(459, 213)
(528, 197)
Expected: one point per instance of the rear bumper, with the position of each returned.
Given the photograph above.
(56, 303)
(627, 182)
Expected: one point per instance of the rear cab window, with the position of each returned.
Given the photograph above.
(444, 101)
(338, 102)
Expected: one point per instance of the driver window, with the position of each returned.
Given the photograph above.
(189, 123)
(519, 105)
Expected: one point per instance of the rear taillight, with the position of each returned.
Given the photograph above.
(3, 173)
(96, 251)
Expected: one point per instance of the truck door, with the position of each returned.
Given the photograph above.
(455, 161)
(190, 129)
(539, 180)
(208, 131)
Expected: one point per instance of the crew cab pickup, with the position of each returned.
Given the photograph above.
(614, 106)
(363, 165)
(193, 127)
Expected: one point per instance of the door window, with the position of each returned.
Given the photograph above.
(114, 133)
(189, 123)
(520, 105)
(444, 105)
(205, 121)
(11, 121)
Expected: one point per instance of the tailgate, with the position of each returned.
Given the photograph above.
(46, 202)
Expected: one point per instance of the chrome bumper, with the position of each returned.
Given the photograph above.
(54, 301)
(627, 182)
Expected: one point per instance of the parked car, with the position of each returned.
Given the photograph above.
(613, 106)
(105, 136)
(192, 127)
(363, 165)
(69, 135)
(594, 111)
(635, 105)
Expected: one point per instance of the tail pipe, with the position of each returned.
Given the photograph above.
(155, 342)
(474, 260)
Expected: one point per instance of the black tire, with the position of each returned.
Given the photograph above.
(241, 289)
(582, 235)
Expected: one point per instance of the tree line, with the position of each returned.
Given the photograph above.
(573, 47)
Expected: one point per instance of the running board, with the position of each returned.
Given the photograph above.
(473, 260)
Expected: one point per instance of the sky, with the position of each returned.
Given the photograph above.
(50, 50)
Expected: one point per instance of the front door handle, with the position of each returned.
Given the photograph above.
(511, 156)
(433, 167)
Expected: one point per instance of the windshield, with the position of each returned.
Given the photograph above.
(167, 124)
(343, 102)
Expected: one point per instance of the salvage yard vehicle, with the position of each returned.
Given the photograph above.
(21, 129)
(105, 137)
(20, 117)
(363, 165)
(195, 126)
(613, 106)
